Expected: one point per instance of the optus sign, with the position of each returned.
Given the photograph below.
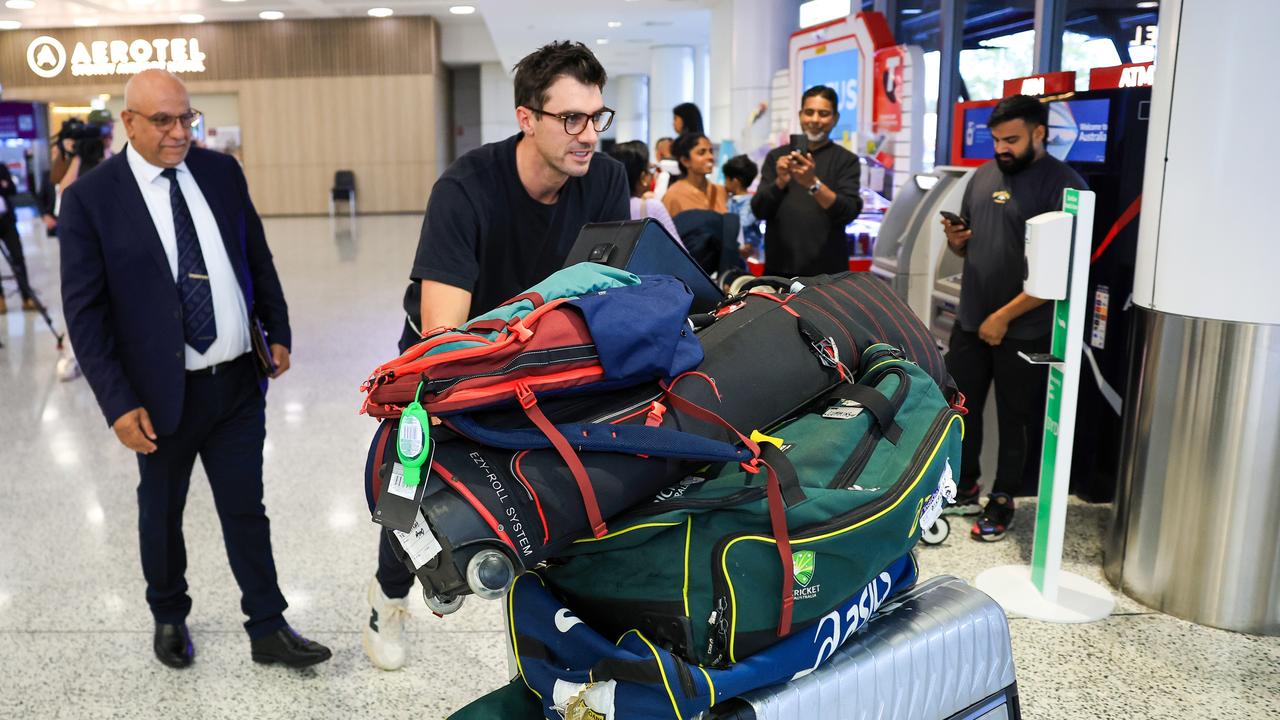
(47, 56)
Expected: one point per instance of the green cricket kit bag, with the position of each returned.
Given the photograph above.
(502, 495)
(698, 569)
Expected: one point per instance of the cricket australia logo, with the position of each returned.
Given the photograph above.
(804, 565)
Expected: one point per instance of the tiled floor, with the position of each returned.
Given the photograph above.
(74, 629)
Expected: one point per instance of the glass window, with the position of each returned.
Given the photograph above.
(999, 43)
(1100, 34)
(919, 23)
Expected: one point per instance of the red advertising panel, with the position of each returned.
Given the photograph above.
(887, 110)
(1122, 76)
(1046, 84)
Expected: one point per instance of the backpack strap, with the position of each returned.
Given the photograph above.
(529, 403)
(880, 407)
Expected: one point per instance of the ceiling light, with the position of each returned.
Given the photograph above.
(602, 41)
(615, 24)
(191, 18)
(85, 22)
(380, 12)
(911, 11)
(462, 9)
(1145, 5)
(10, 24)
(271, 15)
(20, 4)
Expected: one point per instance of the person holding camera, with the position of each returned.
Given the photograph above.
(13, 242)
(809, 192)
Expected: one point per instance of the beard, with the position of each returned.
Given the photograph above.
(1014, 164)
(815, 138)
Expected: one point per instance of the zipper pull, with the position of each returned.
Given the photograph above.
(718, 638)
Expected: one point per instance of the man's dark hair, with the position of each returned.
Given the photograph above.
(741, 168)
(682, 147)
(1013, 107)
(823, 92)
(690, 116)
(634, 156)
(539, 70)
(667, 138)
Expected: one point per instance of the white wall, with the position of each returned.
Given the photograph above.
(497, 103)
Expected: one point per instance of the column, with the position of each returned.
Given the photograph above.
(1196, 532)
(630, 97)
(749, 40)
(670, 83)
(497, 103)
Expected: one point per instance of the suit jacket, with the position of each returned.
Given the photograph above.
(122, 308)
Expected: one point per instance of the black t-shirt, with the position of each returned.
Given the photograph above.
(800, 237)
(998, 207)
(483, 233)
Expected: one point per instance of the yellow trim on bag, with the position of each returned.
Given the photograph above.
(710, 684)
(688, 532)
(663, 671)
(624, 531)
(733, 623)
(511, 619)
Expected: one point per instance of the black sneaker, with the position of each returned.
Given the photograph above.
(966, 502)
(996, 518)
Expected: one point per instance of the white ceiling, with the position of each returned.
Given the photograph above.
(515, 26)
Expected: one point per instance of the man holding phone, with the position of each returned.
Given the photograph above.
(808, 193)
(996, 319)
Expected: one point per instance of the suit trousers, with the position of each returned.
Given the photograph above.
(13, 251)
(1020, 394)
(224, 423)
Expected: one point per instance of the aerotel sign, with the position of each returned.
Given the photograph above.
(47, 57)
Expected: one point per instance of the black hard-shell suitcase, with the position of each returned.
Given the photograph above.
(645, 248)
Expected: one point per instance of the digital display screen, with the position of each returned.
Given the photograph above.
(838, 71)
(977, 136)
(1078, 130)
(17, 120)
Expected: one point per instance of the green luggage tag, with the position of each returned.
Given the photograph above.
(413, 442)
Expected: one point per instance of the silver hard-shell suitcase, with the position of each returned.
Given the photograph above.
(938, 652)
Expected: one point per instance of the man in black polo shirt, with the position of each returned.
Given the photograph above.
(806, 200)
(996, 319)
(501, 219)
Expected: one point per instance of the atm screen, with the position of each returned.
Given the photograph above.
(1078, 130)
(977, 137)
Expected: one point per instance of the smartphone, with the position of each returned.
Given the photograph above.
(954, 219)
(800, 144)
(1040, 358)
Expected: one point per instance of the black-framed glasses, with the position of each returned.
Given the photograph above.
(575, 123)
(164, 121)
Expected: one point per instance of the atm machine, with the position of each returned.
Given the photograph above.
(948, 269)
(911, 236)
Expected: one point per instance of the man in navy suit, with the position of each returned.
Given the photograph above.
(165, 271)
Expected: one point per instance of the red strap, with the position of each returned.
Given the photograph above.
(1120, 224)
(476, 505)
(778, 521)
(656, 411)
(487, 326)
(530, 405)
(534, 299)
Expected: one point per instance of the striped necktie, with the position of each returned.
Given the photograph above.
(198, 325)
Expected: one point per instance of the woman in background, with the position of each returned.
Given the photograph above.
(686, 118)
(634, 157)
(694, 190)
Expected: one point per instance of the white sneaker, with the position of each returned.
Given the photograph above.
(383, 636)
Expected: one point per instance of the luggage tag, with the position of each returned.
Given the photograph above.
(839, 409)
(403, 488)
(419, 543)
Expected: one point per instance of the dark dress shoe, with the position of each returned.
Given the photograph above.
(289, 648)
(173, 645)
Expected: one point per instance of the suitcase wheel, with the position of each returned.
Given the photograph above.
(442, 605)
(937, 533)
(490, 574)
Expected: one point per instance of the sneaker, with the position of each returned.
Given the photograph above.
(384, 633)
(996, 518)
(966, 502)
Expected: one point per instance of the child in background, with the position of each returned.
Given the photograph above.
(739, 173)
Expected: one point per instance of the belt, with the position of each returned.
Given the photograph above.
(220, 367)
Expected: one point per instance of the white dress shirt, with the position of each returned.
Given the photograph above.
(231, 315)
